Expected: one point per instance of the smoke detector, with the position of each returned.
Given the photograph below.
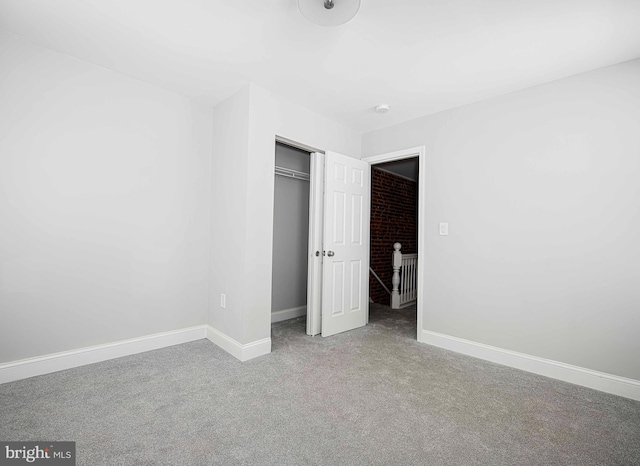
(382, 108)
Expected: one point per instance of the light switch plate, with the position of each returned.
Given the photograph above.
(444, 229)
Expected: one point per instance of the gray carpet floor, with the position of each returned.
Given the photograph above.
(372, 396)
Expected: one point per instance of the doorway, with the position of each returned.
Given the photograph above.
(394, 219)
(417, 154)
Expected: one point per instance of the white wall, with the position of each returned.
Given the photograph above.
(541, 192)
(228, 213)
(104, 205)
(242, 214)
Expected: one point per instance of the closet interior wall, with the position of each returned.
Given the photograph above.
(290, 233)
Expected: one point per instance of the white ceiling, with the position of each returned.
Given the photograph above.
(418, 56)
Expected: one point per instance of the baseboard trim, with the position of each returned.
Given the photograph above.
(55, 362)
(240, 351)
(601, 381)
(286, 314)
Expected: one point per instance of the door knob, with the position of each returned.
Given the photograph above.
(330, 253)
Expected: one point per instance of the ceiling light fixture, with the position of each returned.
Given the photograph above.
(329, 12)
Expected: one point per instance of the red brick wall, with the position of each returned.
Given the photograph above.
(394, 217)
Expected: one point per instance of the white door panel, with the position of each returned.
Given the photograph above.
(346, 244)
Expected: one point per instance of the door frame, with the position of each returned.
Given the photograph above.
(412, 152)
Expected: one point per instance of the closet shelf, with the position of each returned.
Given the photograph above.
(288, 172)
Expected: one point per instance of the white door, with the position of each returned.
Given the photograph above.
(345, 268)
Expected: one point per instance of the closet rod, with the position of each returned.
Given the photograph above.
(288, 172)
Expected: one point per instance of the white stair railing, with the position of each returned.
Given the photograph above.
(405, 278)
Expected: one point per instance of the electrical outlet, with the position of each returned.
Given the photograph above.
(223, 300)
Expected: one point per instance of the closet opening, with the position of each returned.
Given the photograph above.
(290, 233)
